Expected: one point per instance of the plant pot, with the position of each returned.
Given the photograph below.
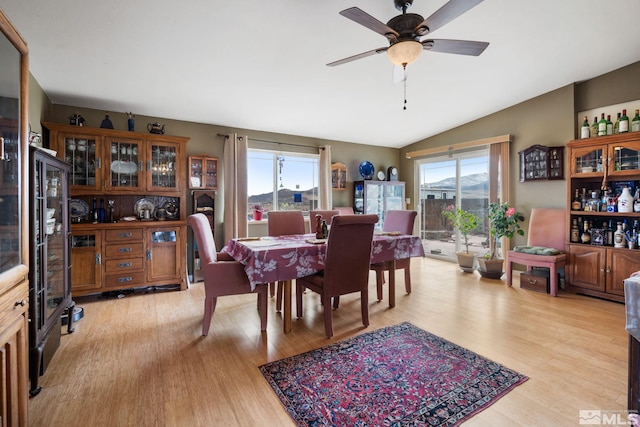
(466, 261)
(257, 215)
(491, 268)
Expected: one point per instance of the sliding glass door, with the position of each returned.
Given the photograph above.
(460, 179)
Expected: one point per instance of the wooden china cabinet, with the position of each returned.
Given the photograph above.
(128, 207)
(595, 268)
(14, 233)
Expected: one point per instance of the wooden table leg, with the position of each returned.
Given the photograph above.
(392, 283)
(287, 306)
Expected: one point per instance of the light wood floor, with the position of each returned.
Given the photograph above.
(140, 360)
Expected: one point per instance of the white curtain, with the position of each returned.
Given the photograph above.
(235, 186)
(324, 186)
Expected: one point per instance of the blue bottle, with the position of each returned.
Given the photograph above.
(130, 122)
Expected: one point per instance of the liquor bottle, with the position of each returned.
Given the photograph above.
(602, 126)
(593, 204)
(618, 237)
(576, 205)
(625, 201)
(635, 123)
(636, 200)
(101, 211)
(585, 237)
(583, 200)
(609, 125)
(585, 130)
(624, 122)
(608, 237)
(594, 127)
(575, 232)
(325, 229)
(616, 126)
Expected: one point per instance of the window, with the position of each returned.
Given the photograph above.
(282, 181)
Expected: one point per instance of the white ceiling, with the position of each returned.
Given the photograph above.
(260, 65)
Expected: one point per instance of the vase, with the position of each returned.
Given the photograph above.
(466, 261)
(257, 215)
(491, 268)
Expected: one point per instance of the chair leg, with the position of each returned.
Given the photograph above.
(279, 293)
(272, 289)
(364, 306)
(209, 308)
(328, 324)
(407, 279)
(336, 302)
(553, 281)
(379, 282)
(299, 289)
(262, 308)
(510, 272)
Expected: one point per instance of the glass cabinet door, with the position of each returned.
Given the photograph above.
(588, 160)
(56, 241)
(125, 164)
(161, 167)
(624, 158)
(82, 153)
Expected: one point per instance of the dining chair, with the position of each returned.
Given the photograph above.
(282, 223)
(545, 245)
(346, 267)
(396, 221)
(222, 274)
(326, 215)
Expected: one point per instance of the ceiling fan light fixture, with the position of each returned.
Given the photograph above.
(405, 52)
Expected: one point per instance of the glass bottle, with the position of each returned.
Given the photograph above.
(602, 126)
(635, 123)
(585, 130)
(576, 205)
(583, 200)
(625, 201)
(609, 125)
(618, 237)
(325, 229)
(616, 125)
(594, 127)
(624, 122)
(94, 211)
(318, 226)
(636, 200)
(608, 237)
(593, 204)
(575, 232)
(585, 237)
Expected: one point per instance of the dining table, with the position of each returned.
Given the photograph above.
(285, 258)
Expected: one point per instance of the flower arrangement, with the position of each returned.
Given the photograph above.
(464, 221)
(504, 222)
(257, 208)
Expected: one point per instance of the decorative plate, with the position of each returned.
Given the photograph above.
(366, 169)
(78, 209)
(144, 204)
(173, 210)
(124, 167)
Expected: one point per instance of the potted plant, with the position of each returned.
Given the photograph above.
(504, 221)
(465, 222)
(257, 212)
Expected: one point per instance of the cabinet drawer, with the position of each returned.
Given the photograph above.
(125, 279)
(126, 250)
(535, 281)
(124, 234)
(10, 301)
(122, 265)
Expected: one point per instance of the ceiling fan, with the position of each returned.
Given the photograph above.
(404, 32)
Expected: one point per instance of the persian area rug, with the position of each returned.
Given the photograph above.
(396, 376)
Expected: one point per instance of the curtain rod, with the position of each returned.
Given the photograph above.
(281, 143)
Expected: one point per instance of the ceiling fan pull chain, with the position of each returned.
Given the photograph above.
(405, 87)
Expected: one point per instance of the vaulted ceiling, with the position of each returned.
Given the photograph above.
(261, 65)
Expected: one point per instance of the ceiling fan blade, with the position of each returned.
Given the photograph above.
(363, 18)
(450, 11)
(459, 47)
(358, 56)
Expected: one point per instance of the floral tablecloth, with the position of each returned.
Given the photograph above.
(270, 259)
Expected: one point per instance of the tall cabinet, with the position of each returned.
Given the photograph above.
(14, 234)
(49, 273)
(128, 207)
(377, 197)
(595, 267)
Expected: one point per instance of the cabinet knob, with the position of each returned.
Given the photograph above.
(21, 303)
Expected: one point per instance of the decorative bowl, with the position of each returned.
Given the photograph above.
(366, 169)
